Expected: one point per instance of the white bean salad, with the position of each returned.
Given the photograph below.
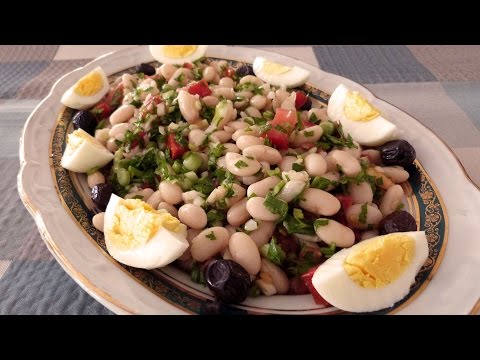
(257, 168)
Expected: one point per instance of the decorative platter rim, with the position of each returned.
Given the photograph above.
(94, 286)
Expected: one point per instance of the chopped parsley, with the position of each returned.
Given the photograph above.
(321, 183)
(321, 222)
(211, 236)
(295, 225)
(362, 217)
(241, 164)
(328, 251)
(298, 167)
(275, 205)
(197, 274)
(298, 214)
(273, 252)
(309, 133)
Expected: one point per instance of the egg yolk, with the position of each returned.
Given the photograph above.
(135, 222)
(275, 68)
(357, 108)
(380, 262)
(179, 51)
(90, 84)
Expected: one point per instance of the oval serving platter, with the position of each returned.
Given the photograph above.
(65, 219)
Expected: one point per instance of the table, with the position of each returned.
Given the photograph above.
(438, 85)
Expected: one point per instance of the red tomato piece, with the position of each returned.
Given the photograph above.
(345, 200)
(278, 139)
(200, 88)
(296, 286)
(307, 278)
(102, 110)
(287, 119)
(300, 99)
(176, 149)
(188, 66)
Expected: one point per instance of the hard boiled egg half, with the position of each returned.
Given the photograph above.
(83, 152)
(177, 54)
(373, 274)
(279, 74)
(359, 118)
(140, 236)
(87, 91)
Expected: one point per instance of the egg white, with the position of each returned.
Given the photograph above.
(292, 78)
(335, 286)
(158, 53)
(369, 133)
(163, 248)
(83, 152)
(78, 102)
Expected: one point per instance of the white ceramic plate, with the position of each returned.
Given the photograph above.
(449, 204)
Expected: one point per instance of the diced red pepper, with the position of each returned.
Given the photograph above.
(278, 139)
(307, 278)
(200, 88)
(230, 72)
(300, 99)
(102, 110)
(176, 149)
(287, 119)
(188, 66)
(296, 286)
(345, 200)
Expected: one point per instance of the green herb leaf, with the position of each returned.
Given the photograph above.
(298, 214)
(241, 164)
(400, 207)
(362, 217)
(328, 251)
(320, 222)
(197, 274)
(275, 172)
(101, 125)
(252, 195)
(211, 236)
(278, 187)
(273, 252)
(275, 205)
(321, 183)
(298, 167)
(297, 226)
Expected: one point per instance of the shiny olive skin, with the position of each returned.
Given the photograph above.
(229, 282)
(86, 121)
(101, 195)
(397, 152)
(147, 69)
(245, 70)
(398, 221)
(307, 105)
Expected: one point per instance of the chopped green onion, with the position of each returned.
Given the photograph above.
(192, 162)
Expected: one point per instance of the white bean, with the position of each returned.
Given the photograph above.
(253, 112)
(266, 286)
(355, 152)
(258, 211)
(246, 141)
(223, 136)
(210, 101)
(335, 232)
(291, 190)
(171, 193)
(187, 74)
(369, 234)
(246, 131)
(396, 173)
(209, 73)
(193, 216)
(227, 93)
(231, 229)
(197, 137)
(226, 82)
(279, 278)
(295, 175)
(219, 194)
(238, 215)
(264, 232)
(245, 252)
(263, 153)
(221, 162)
(98, 221)
(349, 164)
(111, 145)
(172, 210)
(209, 243)
(320, 114)
(373, 156)
(333, 176)
(95, 179)
(229, 147)
(315, 165)
(188, 107)
(319, 202)
(237, 125)
(391, 200)
(262, 187)
(258, 102)
(122, 114)
(128, 81)
(308, 135)
(361, 193)
(144, 193)
(118, 131)
(155, 199)
(167, 70)
(245, 94)
(240, 165)
(289, 103)
(372, 218)
(287, 163)
(251, 79)
(102, 135)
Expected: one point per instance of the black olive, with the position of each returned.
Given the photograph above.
(147, 69)
(86, 121)
(101, 195)
(229, 282)
(245, 70)
(307, 105)
(398, 221)
(397, 152)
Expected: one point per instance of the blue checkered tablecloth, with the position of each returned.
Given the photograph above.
(438, 85)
